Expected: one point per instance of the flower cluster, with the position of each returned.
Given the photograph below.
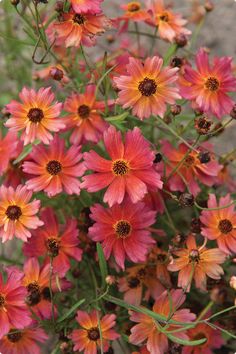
(117, 205)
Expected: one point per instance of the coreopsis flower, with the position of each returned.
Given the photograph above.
(147, 87)
(137, 279)
(196, 263)
(8, 145)
(37, 115)
(146, 329)
(84, 6)
(52, 72)
(14, 174)
(134, 12)
(129, 172)
(13, 310)
(23, 341)
(84, 116)
(55, 168)
(89, 337)
(169, 24)
(160, 259)
(37, 282)
(54, 240)
(193, 168)
(123, 230)
(17, 213)
(208, 86)
(78, 28)
(213, 341)
(220, 225)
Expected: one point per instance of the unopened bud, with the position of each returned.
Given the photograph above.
(202, 125)
(176, 62)
(233, 112)
(59, 7)
(175, 109)
(232, 282)
(15, 2)
(209, 6)
(181, 40)
(110, 279)
(158, 158)
(56, 74)
(186, 200)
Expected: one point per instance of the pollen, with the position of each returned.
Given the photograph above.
(35, 115)
(120, 167)
(122, 228)
(54, 167)
(212, 84)
(225, 226)
(147, 87)
(13, 212)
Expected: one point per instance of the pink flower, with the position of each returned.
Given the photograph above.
(58, 241)
(208, 86)
(220, 225)
(8, 145)
(129, 172)
(192, 169)
(91, 6)
(122, 229)
(13, 310)
(37, 116)
(55, 168)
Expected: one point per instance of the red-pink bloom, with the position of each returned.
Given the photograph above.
(213, 341)
(56, 169)
(37, 282)
(122, 229)
(140, 283)
(84, 6)
(23, 341)
(17, 213)
(191, 169)
(220, 225)
(58, 241)
(208, 86)
(74, 28)
(37, 116)
(196, 263)
(147, 87)
(129, 172)
(169, 24)
(146, 329)
(89, 338)
(84, 116)
(13, 310)
(8, 145)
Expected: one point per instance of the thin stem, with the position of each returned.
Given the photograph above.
(50, 289)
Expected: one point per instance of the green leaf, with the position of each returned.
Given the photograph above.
(170, 52)
(186, 342)
(102, 78)
(26, 151)
(71, 311)
(102, 264)
(118, 118)
(145, 311)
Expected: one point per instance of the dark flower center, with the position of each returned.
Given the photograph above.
(79, 19)
(2, 300)
(164, 17)
(84, 111)
(133, 282)
(120, 167)
(194, 256)
(123, 228)
(93, 333)
(54, 167)
(225, 226)
(189, 161)
(212, 84)
(35, 115)
(34, 295)
(133, 7)
(147, 87)
(14, 335)
(13, 212)
(53, 246)
(161, 258)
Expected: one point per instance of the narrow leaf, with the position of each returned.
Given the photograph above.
(71, 311)
(186, 342)
(102, 264)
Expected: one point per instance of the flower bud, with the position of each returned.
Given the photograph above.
(158, 158)
(59, 7)
(176, 62)
(110, 280)
(15, 2)
(56, 74)
(181, 40)
(202, 125)
(233, 112)
(175, 109)
(186, 200)
(232, 282)
(209, 6)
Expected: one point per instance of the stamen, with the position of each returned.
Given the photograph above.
(122, 228)
(35, 115)
(147, 87)
(120, 167)
(225, 226)
(13, 212)
(212, 84)
(83, 111)
(54, 167)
